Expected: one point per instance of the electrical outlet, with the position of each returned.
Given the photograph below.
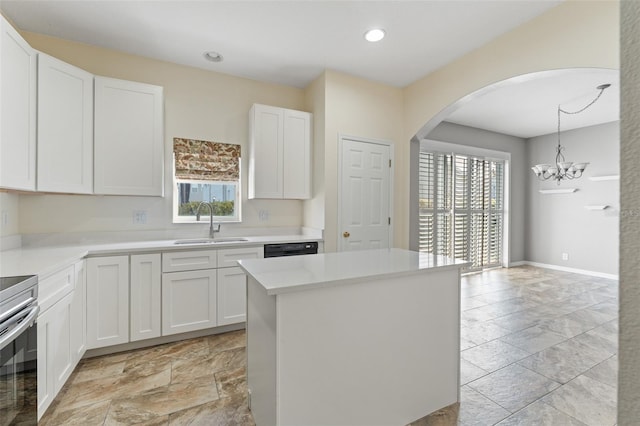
(565, 256)
(139, 217)
(263, 215)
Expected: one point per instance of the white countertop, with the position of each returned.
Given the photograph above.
(286, 274)
(44, 261)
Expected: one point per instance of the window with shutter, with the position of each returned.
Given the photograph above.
(206, 172)
(461, 207)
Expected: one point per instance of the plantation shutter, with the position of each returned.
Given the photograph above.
(204, 160)
(461, 207)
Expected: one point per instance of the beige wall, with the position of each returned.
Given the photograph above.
(362, 108)
(9, 209)
(199, 104)
(572, 35)
(315, 101)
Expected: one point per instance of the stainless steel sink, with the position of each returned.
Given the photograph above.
(210, 241)
(229, 240)
(197, 241)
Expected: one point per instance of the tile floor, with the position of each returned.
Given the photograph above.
(538, 348)
(197, 382)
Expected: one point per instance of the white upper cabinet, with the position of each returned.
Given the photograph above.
(17, 110)
(297, 155)
(128, 138)
(65, 127)
(279, 153)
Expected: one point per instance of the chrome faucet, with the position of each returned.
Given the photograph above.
(210, 205)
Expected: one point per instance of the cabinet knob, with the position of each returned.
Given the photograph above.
(346, 234)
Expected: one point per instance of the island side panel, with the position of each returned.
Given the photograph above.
(385, 351)
(261, 352)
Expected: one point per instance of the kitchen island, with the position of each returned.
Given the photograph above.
(353, 338)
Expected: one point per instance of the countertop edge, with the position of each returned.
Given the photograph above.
(347, 281)
(45, 261)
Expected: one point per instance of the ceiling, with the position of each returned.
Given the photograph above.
(287, 42)
(527, 106)
(292, 42)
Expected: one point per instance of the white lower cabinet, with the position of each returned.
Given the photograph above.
(145, 295)
(232, 296)
(232, 284)
(107, 301)
(56, 359)
(188, 301)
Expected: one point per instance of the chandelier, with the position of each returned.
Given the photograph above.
(565, 169)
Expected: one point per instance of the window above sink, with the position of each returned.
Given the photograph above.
(206, 172)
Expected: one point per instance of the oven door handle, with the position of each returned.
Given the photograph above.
(20, 327)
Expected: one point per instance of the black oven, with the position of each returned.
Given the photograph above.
(18, 350)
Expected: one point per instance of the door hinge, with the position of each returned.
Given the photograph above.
(389, 163)
(389, 221)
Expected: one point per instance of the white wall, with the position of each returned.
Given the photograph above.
(463, 135)
(560, 223)
(199, 104)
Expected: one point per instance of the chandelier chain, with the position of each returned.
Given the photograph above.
(563, 169)
(602, 89)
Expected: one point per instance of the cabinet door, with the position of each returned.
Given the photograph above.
(79, 313)
(65, 127)
(107, 301)
(232, 285)
(266, 151)
(297, 155)
(145, 291)
(188, 301)
(129, 145)
(46, 391)
(60, 334)
(55, 358)
(17, 110)
(232, 296)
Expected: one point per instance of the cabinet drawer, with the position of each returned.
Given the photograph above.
(54, 288)
(227, 257)
(189, 260)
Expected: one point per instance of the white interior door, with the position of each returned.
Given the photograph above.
(364, 203)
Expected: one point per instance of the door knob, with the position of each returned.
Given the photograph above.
(346, 234)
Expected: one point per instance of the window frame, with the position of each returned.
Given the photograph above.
(236, 218)
(431, 146)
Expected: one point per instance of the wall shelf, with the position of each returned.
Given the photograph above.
(558, 191)
(594, 207)
(601, 178)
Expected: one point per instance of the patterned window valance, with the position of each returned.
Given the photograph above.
(204, 160)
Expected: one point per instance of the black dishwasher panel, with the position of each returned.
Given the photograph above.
(290, 249)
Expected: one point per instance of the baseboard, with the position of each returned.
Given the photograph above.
(566, 269)
(518, 263)
(162, 340)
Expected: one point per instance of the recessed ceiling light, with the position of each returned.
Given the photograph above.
(374, 35)
(213, 56)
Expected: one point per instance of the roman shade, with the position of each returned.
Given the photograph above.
(205, 160)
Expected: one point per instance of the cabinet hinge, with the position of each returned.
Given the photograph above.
(389, 163)
(389, 221)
